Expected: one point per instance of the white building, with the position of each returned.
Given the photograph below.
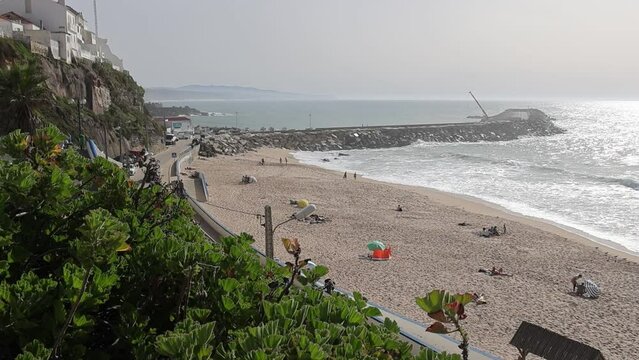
(8, 27)
(67, 28)
(37, 40)
(179, 124)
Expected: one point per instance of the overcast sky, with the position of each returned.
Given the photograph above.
(374, 48)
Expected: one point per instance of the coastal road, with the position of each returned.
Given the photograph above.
(166, 159)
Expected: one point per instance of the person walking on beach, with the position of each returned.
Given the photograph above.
(286, 160)
(280, 161)
(504, 229)
(355, 176)
(262, 161)
(344, 174)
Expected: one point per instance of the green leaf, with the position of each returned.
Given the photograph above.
(35, 350)
(372, 311)
(432, 302)
(228, 284)
(464, 298)
(228, 303)
(18, 254)
(320, 271)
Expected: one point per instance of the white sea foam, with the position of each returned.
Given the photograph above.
(586, 179)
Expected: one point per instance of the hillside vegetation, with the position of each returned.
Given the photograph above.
(113, 98)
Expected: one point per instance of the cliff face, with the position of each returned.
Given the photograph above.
(501, 128)
(113, 99)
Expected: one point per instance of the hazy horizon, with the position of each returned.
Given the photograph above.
(502, 49)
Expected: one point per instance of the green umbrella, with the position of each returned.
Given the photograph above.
(376, 245)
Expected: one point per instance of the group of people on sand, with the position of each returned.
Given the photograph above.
(263, 162)
(354, 175)
(491, 231)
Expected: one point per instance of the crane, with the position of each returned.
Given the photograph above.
(478, 104)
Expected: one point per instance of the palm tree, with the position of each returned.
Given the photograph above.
(22, 92)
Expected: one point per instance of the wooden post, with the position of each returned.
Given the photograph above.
(268, 226)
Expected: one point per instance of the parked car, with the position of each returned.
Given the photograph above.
(170, 139)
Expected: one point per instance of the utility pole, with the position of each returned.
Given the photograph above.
(146, 135)
(120, 136)
(106, 141)
(80, 140)
(95, 16)
(268, 226)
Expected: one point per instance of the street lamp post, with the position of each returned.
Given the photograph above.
(106, 141)
(270, 230)
(79, 103)
(119, 130)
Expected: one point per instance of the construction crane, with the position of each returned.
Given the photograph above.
(478, 104)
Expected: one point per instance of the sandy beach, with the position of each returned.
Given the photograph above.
(431, 251)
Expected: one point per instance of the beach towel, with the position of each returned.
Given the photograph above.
(592, 291)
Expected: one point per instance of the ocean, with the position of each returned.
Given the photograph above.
(586, 179)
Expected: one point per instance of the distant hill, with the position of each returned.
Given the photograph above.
(218, 92)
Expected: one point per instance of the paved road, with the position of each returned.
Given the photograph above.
(166, 160)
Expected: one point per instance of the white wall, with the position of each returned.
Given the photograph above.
(51, 15)
(180, 126)
(55, 49)
(45, 38)
(6, 28)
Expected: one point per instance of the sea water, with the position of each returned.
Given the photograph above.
(302, 114)
(586, 179)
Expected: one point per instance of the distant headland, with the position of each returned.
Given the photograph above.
(219, 92)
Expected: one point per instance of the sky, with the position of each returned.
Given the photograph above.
(542, 49)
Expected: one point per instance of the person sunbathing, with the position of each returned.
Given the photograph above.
(494, 272)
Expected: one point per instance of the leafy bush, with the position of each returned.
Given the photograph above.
(95, 266)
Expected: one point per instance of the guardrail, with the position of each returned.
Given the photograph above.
(209, 224)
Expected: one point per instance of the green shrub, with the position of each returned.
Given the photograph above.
(95, 266)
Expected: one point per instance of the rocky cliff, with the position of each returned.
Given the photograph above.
(502, 128)
(112, 99)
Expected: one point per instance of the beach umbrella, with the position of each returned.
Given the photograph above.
(592, 290)
(376, 245)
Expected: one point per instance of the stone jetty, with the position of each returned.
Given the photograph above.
(509, 125)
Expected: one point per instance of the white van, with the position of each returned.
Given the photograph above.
(170, 139)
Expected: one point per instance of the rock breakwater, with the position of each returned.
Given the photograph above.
(509, 125)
